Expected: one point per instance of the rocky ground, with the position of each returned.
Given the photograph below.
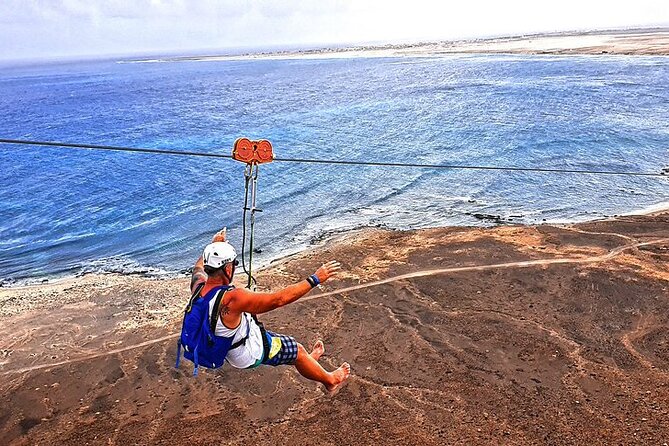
(508, 335)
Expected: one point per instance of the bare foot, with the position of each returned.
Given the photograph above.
(318, 350)
(338, 377)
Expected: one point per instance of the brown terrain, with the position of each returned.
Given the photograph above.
(506, 335)
(649, 42)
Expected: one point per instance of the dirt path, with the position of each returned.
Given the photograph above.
(520, 264)
(417, 274)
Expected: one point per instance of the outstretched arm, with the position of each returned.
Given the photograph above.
(198, 276)
(247, 301)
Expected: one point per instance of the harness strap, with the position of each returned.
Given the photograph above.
(215, 315)
(255, 319)
(265, 343)
(215, 312)
(243, 340)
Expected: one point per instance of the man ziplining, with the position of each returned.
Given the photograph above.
(227, 329)
(220, 321)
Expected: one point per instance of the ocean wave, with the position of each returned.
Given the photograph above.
(662, 206)
(122, 265)
(38, 244)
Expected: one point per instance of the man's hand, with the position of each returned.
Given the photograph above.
(328, 270)
(219, 236)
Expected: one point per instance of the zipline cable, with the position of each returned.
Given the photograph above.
(248, 178)
(113, 148)
(664, 174)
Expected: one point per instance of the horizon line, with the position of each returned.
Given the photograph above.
(315, 47)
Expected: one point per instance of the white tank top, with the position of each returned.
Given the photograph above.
(245, 355)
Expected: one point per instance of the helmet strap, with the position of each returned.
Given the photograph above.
(225, 271)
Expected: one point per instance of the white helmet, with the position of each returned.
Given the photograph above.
(218, 254)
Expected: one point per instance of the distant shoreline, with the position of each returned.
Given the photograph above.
(68, 280)
(644, 42)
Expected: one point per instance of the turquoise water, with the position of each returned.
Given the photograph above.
(64, 212)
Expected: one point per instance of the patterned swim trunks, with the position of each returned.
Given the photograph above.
(282, 349)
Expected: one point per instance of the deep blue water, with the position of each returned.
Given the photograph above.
(67, 211)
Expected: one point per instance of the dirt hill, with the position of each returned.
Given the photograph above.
(508, 335)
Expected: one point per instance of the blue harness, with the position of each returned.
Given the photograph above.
(201, 346)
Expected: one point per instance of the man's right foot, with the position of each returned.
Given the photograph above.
(318, 350)
(338, 377)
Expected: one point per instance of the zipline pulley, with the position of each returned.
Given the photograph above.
(252, 153)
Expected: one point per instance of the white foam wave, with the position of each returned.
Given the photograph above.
(659, 207)
(122, 265)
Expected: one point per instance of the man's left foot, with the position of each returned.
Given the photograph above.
(318, 350)
(338, 377)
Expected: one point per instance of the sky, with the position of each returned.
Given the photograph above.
(52, 29)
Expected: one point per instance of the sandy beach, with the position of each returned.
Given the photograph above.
(633, 42)
(645, 42)
(506, 335)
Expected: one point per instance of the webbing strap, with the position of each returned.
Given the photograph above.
(258, 323)
(194, 296)
(265, 343)
(178, 353)
(242, 341)
(215, 311)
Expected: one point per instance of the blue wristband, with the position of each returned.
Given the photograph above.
(315, 280)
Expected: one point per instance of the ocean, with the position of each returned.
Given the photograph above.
(65, 212)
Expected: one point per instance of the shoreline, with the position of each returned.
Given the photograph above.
(322, 242)
(319, 242)
(640, 42)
